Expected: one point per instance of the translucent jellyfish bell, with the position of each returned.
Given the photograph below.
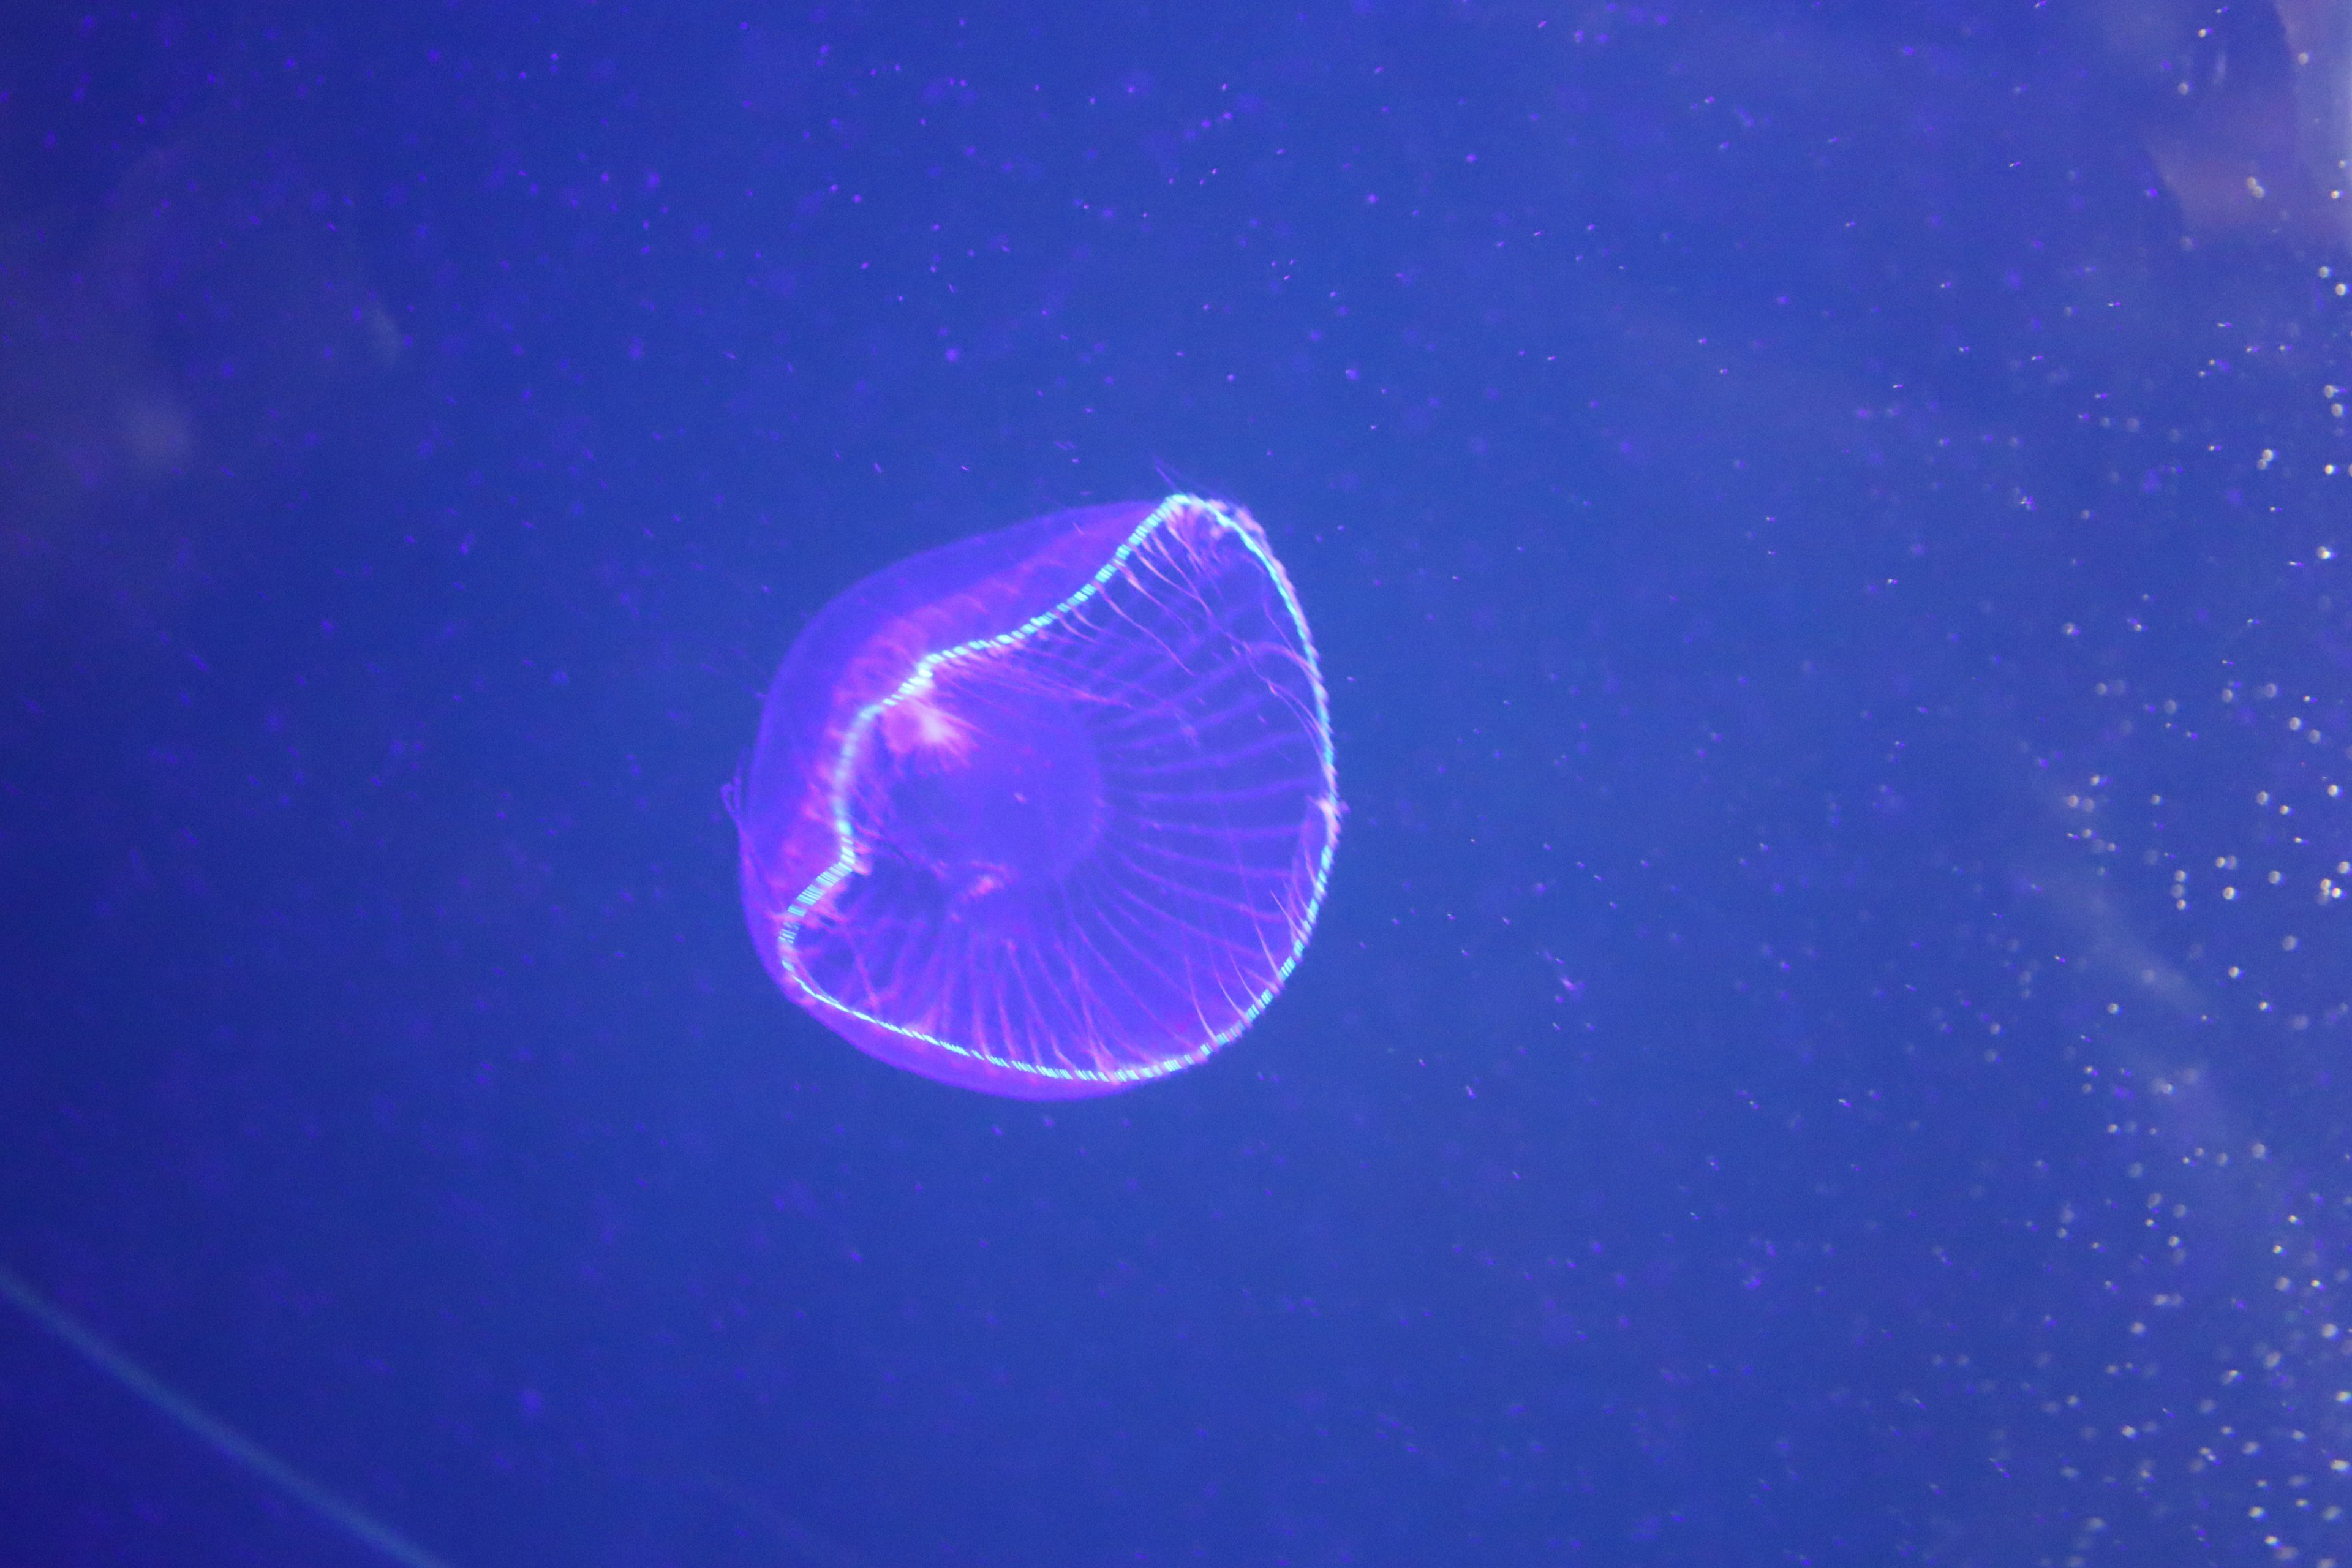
(1050, 812)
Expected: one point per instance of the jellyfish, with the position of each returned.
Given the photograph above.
(1048, 813)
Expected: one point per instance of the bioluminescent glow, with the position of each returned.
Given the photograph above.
(1051, 812)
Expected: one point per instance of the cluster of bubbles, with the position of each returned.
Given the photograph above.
(2210, 831)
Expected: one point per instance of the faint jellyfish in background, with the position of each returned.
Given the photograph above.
(2246, 110)
(1050, 812)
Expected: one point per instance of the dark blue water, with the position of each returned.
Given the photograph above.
(1825, 526)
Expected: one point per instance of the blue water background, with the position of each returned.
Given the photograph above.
(1755, 473)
